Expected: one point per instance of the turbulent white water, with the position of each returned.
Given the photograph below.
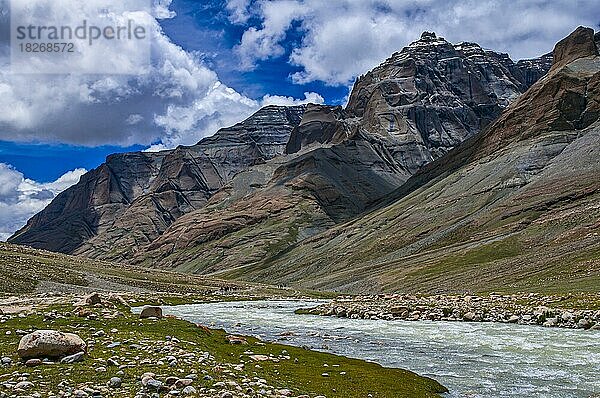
(475, 360)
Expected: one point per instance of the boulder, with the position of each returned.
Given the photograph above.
(470, 316)
(584, 324)
(50, 344)
(151, 312)
(93, 299)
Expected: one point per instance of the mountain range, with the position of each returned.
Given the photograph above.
(451, 168)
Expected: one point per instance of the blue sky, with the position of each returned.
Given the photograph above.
(215, 62)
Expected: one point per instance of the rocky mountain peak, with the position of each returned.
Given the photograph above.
(432, 95)
(578, 44)
(428, 36)
(533, 69)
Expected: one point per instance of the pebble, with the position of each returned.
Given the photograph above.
(24, 385)
(33, 362)
(115, 382)
(73, 358)
(522, 309)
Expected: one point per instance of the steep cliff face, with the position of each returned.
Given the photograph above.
(132, 198)
(100, 196)
(321, 124)
(534, 69)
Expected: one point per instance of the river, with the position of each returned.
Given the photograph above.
(474, 360)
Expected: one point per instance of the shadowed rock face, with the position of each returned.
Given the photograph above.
(534, 69)
(321, 124)
(132, 198)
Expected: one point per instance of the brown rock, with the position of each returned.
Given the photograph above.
(33, 362)
(93, 299)
(577, 45)
(151, 312)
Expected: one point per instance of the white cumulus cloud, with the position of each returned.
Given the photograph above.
(343, 39)
(21, 198)
(174, 99)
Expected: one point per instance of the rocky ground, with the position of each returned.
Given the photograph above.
(69, 346)
(569, 311)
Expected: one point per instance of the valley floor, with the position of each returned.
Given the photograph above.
(41, 290)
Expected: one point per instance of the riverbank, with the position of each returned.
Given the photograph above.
(485, 360)
(575, 311)
(131, 357)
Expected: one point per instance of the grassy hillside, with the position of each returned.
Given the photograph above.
(25, 270)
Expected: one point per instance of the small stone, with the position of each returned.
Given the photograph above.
(584, 324)
(24, 385)
(259, 358)
(115, 382)
(153, 384)
(73, 358)
(469, 316)
(170, 381)
(33, 362)
(99, 333)
(93, 299)
(236, 340)
(189, 390)
(182, 383)
(80, 394)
